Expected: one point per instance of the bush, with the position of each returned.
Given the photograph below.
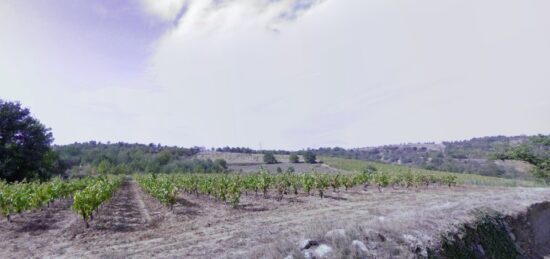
(269, 158)
(293, 158)
(221, 164)
(310, 157)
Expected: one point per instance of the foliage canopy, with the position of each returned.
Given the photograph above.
(24, 145)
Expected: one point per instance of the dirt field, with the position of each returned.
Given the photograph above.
(134, 224)
(298, 167)
(247, 163)
(239, 158)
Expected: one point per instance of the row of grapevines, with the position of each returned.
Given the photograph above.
(24, 196)
(161, 187)
(99, 190)
(408, 179)
(228, 188)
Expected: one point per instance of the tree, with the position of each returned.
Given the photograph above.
(164, 157)
(24, 144)
(293, 158)
(52, 164)
(104, 167)
(310, 157)
(536, 151)
(221, 164)
(269, 158)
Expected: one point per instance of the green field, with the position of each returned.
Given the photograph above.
(462, 178)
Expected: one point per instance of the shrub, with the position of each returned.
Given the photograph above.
(221, 164)
(269, 158)
(310, 157)
(293, 158)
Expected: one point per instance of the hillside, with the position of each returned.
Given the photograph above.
(472, 156)
(469, 156)
(463, 178)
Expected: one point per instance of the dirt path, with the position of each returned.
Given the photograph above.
(125, 211)
(203, 228)
(35, 231)
(141, 206)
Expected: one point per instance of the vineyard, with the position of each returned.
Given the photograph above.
(89, 199)
(229, 188)
(87, 194)
(20, 197)
(197, 215)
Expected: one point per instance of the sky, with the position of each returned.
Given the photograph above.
(278, 74)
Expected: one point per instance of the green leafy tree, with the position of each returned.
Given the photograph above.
(310, 157)
(24, 144)
(293, 158)
(104, 167)
(164, 157)
(536, 152)
(221, 164)
(269, 158)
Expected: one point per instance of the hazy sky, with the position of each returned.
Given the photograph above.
(280, 73)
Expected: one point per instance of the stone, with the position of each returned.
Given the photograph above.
(359, 247)
(381, 237)
(415, 245)
(323, 251)
(307, 243)
(308, 255)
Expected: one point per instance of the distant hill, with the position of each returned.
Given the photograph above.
(472, 156)
(85, 158)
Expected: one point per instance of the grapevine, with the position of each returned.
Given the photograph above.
(89, 199)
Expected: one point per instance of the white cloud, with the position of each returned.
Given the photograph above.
(352, 73)
(219, 14)
(342, 72)
(164, 9)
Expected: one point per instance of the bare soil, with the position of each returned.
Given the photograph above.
(298, 167)
(239, 158)
(250, 163)
(133, 224)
